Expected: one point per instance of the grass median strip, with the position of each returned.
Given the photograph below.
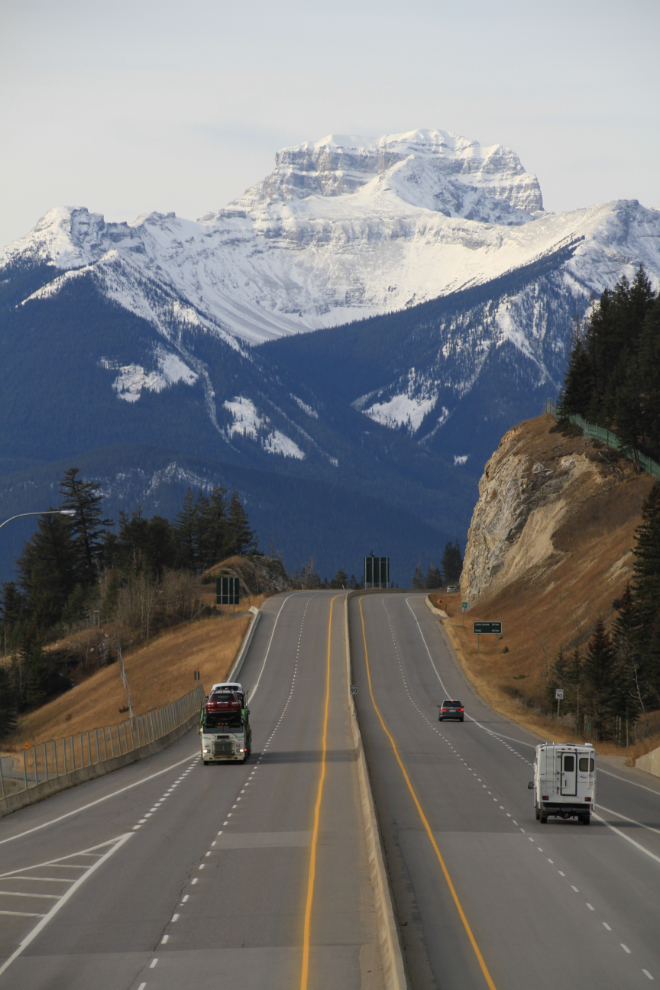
(427, 827)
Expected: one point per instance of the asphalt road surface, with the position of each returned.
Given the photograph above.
(485, 895)
(169, 874)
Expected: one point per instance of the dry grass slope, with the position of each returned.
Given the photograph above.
(158, 672)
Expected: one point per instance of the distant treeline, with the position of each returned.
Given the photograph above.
(75, 571)
(613, 376)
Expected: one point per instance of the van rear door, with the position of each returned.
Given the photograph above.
(569, 774)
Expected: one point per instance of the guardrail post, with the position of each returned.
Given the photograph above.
(25, 768)
(82, 753)
(46, 761)
(34, 760)
(96, 738)
(125, 736)
(73, 754)
(64, 754)
(2, 779)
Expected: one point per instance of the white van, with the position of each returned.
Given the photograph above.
(564, 782)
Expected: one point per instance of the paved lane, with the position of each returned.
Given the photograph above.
(201, 875)
(544, 905)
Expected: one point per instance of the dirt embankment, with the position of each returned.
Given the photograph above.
(549, 549)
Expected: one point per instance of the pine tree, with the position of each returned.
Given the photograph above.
(85, 499)
(433, 576)
(646, 589)
(578, 383)
(340, 579)
(600, 672)
(418, 579)
(8, 704)
(218, 529)
(185, 533)
(48, 569)
(452, 563)
(649, 384)
(242, 539)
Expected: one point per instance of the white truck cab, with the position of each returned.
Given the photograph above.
(564, 782)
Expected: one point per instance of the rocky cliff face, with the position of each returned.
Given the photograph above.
(540, 496)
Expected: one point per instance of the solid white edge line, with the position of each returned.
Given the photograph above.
(91, 804)
(626, 819)
(62, 901)
(618, 831)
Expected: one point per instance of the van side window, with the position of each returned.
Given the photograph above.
(584, 764)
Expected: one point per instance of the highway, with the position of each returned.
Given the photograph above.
(486, 896)
(169, 874)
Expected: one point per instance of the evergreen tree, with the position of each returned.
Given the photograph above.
(8, 704)
(185, 533)
(600, 672)
(577, 392)
(646, 589)
(433, 576)
(85, 499)
(649, 379)
(242, 539)
(13, 609)
(340, 579)
(48, 569)
(218, 527)
(452, 563)
(418, 579)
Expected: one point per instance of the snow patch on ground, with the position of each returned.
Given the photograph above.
(133, 378)
(279, 443)
(305, 408)
(248, 423)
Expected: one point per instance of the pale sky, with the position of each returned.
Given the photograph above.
(128, 107)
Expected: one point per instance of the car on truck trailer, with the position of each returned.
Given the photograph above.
(225, 727)
(564, 782)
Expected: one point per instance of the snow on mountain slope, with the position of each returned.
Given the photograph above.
(343, 229)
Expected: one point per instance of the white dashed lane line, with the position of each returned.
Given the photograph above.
(194, 880)
(500, 739)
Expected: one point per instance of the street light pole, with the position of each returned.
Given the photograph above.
(49, 512)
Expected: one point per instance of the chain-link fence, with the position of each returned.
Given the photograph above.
(56, 757)
(595, 432)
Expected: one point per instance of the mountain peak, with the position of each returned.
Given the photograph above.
(434, 169)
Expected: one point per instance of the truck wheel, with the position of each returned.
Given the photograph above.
(538, 813)
(543, 819)
(206, 763)
(586, 819)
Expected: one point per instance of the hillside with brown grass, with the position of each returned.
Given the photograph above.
(158, 672)
(549, 550)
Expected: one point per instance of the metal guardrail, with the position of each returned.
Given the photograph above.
(595, 432)
(57, 757)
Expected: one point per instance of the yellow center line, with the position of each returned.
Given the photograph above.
(473, 942)
(317, 812)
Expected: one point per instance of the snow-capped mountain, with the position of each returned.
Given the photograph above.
(441, 294)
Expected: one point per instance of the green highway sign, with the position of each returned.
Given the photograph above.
(464, 606)
(376, 571)
(487, 628)
(227, 590)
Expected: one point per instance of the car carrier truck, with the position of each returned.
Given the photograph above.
(564, 782)
(225, 726)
